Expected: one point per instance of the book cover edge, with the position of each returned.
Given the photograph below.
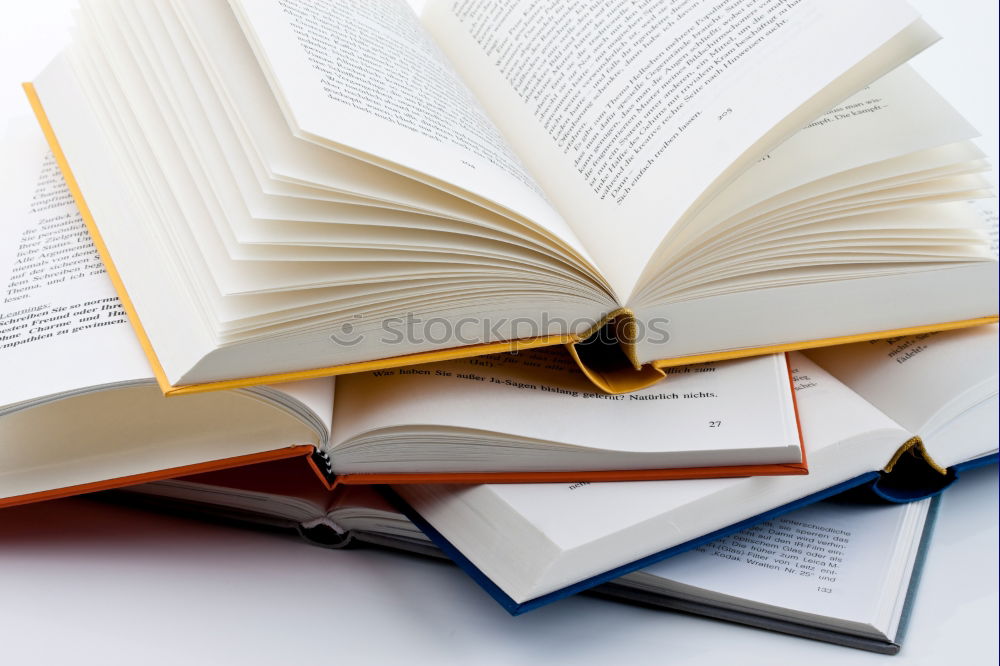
(50, 137)
(824, 342)
(517, 608)
(304, 450)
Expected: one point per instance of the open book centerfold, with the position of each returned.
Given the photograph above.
(314, 178)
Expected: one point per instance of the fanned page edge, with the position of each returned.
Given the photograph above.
(50, 137)
(679, 473)
(161, 378)
(624, 382)
(823, 342)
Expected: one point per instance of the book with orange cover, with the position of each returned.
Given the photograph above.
(80, 409)
(271, 211)
(891, 421)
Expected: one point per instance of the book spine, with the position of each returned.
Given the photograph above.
(322, 464)
(912, 475)
(326, 536)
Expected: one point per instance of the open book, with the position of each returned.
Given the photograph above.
(531, 544)
(79, 408)
(897, 419)
(834, 571)
(286, 190)
(839, 571)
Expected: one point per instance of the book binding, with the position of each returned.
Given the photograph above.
(613, 370)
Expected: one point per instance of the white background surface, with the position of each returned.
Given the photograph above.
(84, 583)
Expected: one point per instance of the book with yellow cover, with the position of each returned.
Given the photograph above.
(80, 410)
(285, 191)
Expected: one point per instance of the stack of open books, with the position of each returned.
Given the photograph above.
(600, 286)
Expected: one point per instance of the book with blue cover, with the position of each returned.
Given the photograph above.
(531, 544)
(905, 430)
(843, 571)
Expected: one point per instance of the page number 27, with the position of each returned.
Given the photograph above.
(714, 424)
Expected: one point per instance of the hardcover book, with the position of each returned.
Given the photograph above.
(839, 571)
(902, 430)
(79, 408)
(889, 430)
(283, 191)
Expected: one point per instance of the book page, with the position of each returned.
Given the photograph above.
(627, 113)
(991, 223)
(877, 123)
(863, 140)
(571, 514)
(62, 327)
(593, 527)
(365, 78)
(922, 381)
(540, 394)
(831, 559)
